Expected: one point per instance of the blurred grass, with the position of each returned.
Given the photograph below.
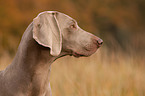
(98, 75)
(101, 74)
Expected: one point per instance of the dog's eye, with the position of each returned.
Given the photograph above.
(73, 26)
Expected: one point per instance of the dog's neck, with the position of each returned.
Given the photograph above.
(30, 68)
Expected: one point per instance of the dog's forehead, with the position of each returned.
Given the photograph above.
(58, 14)
(64, 16)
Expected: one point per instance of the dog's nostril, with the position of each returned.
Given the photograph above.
(100, 41)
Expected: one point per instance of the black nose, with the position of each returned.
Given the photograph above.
(99, 41)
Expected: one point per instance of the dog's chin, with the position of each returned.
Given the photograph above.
(77, 55)
(83, 54)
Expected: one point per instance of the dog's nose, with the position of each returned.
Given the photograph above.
(99, 42)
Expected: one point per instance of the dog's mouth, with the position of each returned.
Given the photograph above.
(78, 55)
(75, 54)
(86, 53)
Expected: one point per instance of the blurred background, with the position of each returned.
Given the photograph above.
(116, 69)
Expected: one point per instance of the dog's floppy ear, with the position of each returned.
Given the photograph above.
(47, 33)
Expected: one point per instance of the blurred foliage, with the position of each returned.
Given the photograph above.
(120, 23)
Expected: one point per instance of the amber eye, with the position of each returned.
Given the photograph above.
(73, 26)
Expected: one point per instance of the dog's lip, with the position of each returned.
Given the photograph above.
(75, 54)
(98, 46)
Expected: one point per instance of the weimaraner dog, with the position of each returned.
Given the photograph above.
(51, 35)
